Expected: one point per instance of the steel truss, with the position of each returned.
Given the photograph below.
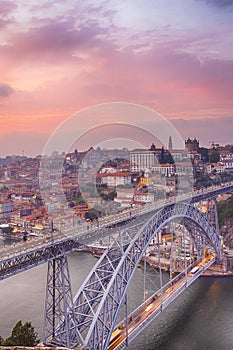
(58, 303)
(98, 302)
(12, 265)
(212, 193)
(25, 260)
(212, 213)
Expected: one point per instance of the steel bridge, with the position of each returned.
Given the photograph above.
(89, 318)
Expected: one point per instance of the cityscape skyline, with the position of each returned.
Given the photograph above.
(58, 59)
(102, 147)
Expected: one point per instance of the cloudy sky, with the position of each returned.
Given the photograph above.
(58, 57)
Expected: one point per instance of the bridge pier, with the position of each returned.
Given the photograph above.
(58, 304)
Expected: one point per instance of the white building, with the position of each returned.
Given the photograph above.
(164, 169)
(178, 154)
(149, 159)
(114, 179)
(142, 159)
(124, 196)
(227, 161)
(146, 197)
(108, 169)
(183, 168)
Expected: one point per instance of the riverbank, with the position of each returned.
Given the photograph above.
(216, 270)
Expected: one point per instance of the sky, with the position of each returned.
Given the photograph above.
(58, 58)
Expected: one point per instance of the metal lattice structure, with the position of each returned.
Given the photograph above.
(25, 260)
(98, 302)
(21, 260)
(59, 301)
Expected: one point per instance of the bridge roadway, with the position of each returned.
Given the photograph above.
(25, 255)
(127, 330)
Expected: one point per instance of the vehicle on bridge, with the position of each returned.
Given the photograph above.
(194, 270)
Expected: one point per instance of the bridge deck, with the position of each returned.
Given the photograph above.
(146, 312)
(23, 256)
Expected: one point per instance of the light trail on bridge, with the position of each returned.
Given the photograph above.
(128, 329)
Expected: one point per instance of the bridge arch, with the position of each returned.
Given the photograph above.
(98, 301)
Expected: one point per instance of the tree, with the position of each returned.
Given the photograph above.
(22, 335)
(1, 340)
(214, 157)
(204, 153)
(203, 181)
(92, 214)
(4, 189)
(162, 156)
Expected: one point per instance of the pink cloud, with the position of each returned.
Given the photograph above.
(5, 90)
(54, 41)
(60, 65)
(7, 7)
(46, 5)
(160, 77)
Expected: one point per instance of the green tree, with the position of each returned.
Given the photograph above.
(162, 156)
(214, 157)
(203, 181)
(4, 189)
(22, 335)
(1, 340)
(204, 153)
(92, 214)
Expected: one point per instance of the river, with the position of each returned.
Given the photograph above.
(200, 319)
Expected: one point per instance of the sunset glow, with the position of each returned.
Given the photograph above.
(57, 58)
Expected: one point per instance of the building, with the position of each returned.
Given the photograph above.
(161, 161)
(145, 159)
(184, 168)
(146, 197)
(215, 167)
(191, 145)
(108, 169)
(114, 179)
(164, 169)
(6, 208)
(141, 160)
(124, 196)
(178, 154)
(227, 161)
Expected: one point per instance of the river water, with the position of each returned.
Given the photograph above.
(200, 319)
